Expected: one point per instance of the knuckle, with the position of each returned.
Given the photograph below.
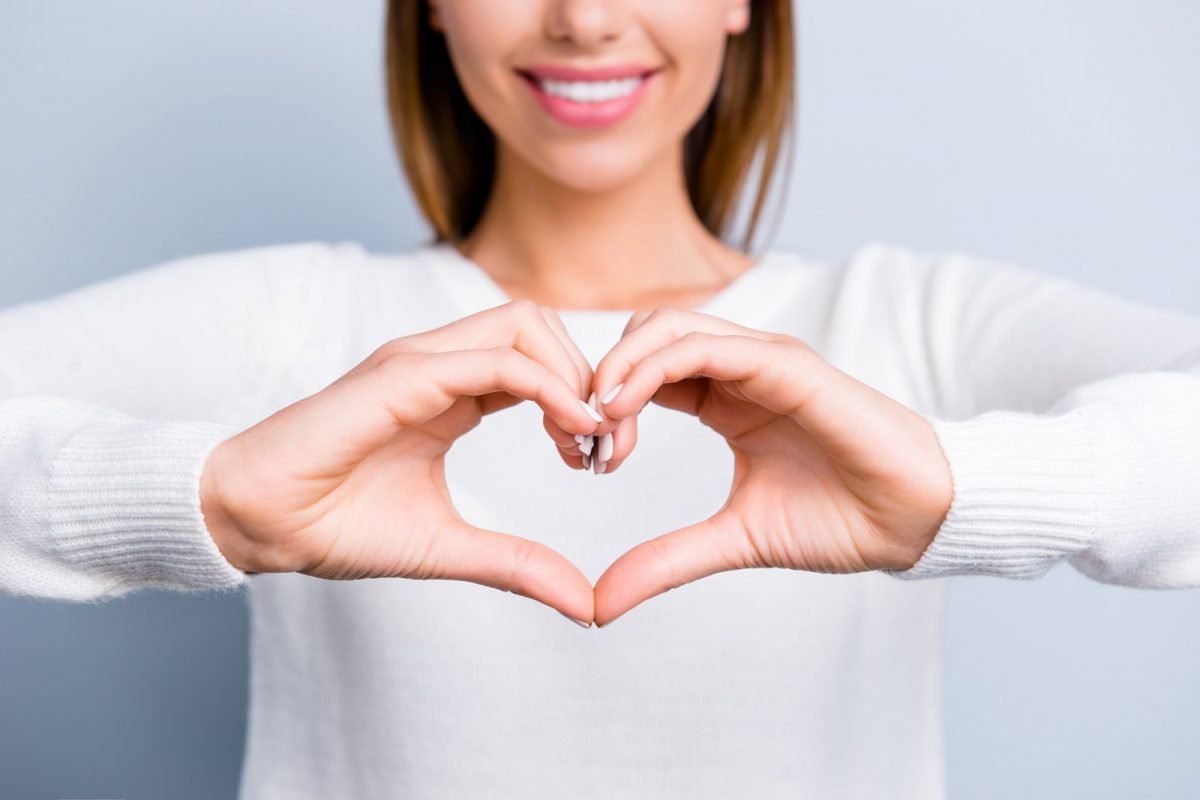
(518, 578)
(389, 349)
(524, 310)
(661, 313)
(659, 551)
(795, 341)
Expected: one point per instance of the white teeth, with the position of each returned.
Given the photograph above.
(590, 91)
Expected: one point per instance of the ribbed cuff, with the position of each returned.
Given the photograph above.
(125, 505)
(1024, 495)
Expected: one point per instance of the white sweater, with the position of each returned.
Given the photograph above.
(1070, 418)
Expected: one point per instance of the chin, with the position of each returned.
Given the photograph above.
(592, 168)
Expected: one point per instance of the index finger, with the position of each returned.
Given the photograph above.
(647, 332)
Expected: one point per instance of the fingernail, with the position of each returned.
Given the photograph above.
(581, 623)
(591, 411)
(608, 397)
(579, 438)
(587, 461)
(605, 449)
(587, 444)
(603, 466)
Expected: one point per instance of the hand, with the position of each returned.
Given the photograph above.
(350, 482)
(830, 475)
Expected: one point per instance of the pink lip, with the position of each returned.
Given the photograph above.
(588, 115)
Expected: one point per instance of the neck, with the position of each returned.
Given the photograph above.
(636, 245)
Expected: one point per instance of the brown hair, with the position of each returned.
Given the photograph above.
(448, 151)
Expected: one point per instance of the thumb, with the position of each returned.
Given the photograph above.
(514, 564)
(671, 560)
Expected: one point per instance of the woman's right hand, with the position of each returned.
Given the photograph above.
(350, 482)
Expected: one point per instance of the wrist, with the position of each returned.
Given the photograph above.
(217, 518)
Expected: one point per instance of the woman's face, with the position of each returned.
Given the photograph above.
(589, 92)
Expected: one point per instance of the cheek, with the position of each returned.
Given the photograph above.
(479, 34)
(695, 45)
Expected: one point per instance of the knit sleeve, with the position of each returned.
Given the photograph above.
(1070, 418)
(111, 398)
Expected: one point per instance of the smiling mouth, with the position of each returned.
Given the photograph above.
(587, 91)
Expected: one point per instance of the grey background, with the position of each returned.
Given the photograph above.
(1059, 134)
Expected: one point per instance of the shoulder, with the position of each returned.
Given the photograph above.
(280, 275)
(270, 267)
(900, 266)
(191, 279)
(895, 276)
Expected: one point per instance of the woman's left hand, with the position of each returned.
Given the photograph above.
(829, 474)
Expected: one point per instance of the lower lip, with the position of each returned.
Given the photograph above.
(590, 115)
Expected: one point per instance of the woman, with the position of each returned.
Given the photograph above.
(290, 418)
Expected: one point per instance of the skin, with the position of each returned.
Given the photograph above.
(830, 475)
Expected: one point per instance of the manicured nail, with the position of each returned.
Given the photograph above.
(605, 450)
(603, 466)
(587, 461)
(587, 444)
(581, 623)
(608, 397)
(591, 411)
(579, 438)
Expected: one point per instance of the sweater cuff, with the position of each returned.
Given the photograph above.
(1024, 495)
(125, 505)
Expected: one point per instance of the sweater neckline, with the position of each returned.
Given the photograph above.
(473, 289)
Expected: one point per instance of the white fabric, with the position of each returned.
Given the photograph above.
(1071, 419)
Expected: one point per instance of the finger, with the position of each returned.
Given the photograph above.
(567, 445)
(624, 439)
(505, 369)
(408, 389)
(685, 395)
(669, 561)
(581, 363)
(646, 332)
(514, 564)
(770, 373)
(846, 417)
(521, 324)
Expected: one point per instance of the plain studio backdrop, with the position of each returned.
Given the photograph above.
(1059, 135)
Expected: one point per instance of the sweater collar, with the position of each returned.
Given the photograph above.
(472, 290)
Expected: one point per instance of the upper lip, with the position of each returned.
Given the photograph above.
(562, 72)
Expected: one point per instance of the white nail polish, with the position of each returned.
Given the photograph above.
(579, 622)
(587, 444)
(592, 411)
(608, 397)
(596, 465)
(603, 466)
(587, 461)
(579, 438)
(605, 450)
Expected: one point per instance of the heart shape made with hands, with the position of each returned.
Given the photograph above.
(830, 475)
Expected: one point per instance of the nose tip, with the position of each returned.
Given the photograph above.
(586, 22)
